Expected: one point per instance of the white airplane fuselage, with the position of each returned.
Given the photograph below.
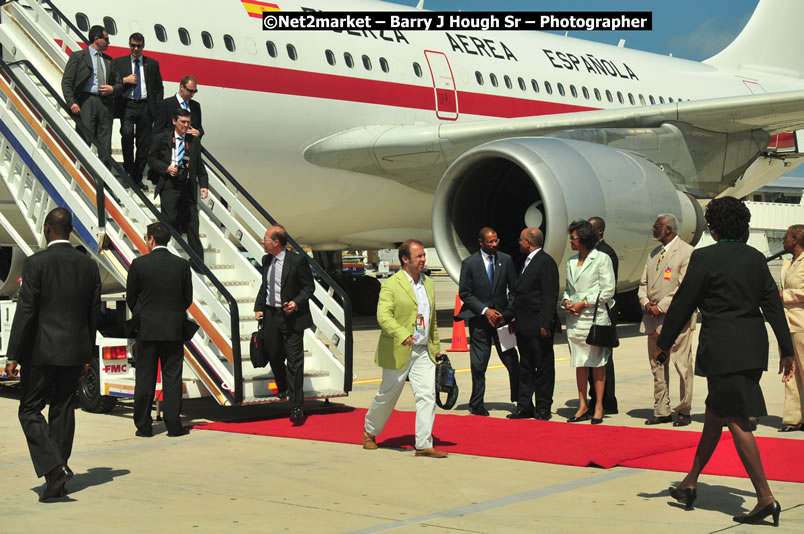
(261, 112)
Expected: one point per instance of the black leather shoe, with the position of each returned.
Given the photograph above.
(685, 496)
(519, 414)
(583, 417)
(773, 509)
(144, 433)
(282, 394)
(655, 420)
(182, 432)
(682, 420)
(69, 472)
(297, 415)
(478, 411)
(791, 428)
(596, 421)
(543, 415)
(54, 486)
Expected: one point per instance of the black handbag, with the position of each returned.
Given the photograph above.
(257, 352)
(445, 382)
(602, 335)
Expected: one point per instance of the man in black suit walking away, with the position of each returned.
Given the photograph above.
(159, 290)
(53, 337)
(183, 99)
(536, 321)
(138, 104)
(609, 399)
(88, 85)
(178, 172)
(486, 278)
(287, 285)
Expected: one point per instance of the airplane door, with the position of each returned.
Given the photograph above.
(446, 95)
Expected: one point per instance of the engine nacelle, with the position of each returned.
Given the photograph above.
(11, 260)
(545, 182)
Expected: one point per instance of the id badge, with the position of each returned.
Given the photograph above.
(420, 323)
(668, 273)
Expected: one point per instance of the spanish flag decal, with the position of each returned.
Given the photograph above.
(255, 8)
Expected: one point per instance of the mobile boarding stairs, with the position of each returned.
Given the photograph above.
(45, 162)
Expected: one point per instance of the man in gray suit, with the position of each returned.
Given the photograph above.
(53, 337)
(487, 277)
(88, 85)
(661, 277)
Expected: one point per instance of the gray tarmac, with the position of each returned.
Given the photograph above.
(213, 481)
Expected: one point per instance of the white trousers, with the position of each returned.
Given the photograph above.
(421, 372)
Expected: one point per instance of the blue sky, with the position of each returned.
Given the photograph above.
(692, 29)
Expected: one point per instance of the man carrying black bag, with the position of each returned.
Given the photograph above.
(159, 290)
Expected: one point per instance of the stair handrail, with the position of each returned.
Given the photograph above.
(107, 159)
(346, 302)
(63, 17)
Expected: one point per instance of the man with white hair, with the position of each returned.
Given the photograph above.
(661, 277)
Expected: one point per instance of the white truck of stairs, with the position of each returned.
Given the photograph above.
(45, 162)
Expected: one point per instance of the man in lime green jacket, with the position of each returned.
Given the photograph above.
(407, 349)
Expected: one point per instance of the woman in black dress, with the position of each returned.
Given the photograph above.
(730, 283)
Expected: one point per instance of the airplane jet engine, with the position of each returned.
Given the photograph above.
(545, 182)
(11, 260)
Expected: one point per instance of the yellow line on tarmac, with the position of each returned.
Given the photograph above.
(464, 370)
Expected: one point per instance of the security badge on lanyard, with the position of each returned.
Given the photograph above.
(668, 273)
(420, 324)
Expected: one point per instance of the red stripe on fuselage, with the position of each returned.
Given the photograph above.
(260, 78)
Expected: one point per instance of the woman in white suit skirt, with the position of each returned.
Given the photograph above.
(590, 279)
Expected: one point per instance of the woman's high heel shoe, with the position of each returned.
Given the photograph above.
(685, 496)
(773, 509)
(583, 417)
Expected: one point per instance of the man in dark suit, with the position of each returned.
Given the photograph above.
(534, 308)
(287, 285)
(609, 399)
(159, 290)
(486, 278)
(178, 172)
(188, 87)
(53, 337)
(142, 93)
(89, 84)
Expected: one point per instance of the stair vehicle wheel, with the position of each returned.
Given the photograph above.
(89, 395)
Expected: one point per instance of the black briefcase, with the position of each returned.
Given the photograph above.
(257, 352)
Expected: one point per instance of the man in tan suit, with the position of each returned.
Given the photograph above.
(661, 277)
(792, 293)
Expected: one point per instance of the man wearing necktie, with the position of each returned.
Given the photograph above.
(88, 85)
(663, 273)
(177, 169)
(138, 105)
(487, 277)
(188, 88)
(283, 302)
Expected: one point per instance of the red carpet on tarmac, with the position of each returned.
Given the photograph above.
(579, 444)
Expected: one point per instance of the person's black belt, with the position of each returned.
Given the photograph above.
(140, 101)
(274, 308)
(87, 93)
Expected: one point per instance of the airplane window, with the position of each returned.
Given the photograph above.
(493, 78)
(573, 91)
(271, 48)
(597, 94)
(661, 100)
(229, 42)
(479, 77)
(184, 36)
(670, 99)
(110, 25)
(548, 88)
(384, 64)
(347, 58)
(608, 96)
(620, 97)
(330, 57)
(642, 100)
(522, 84)
(585, 92)
(631, 98)
(291, 52)
(652, 100)
(366, 62)
(417, 69)
(206, 38)
(82, 22)
(535, 85)
(507, 81)
(561, 89)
